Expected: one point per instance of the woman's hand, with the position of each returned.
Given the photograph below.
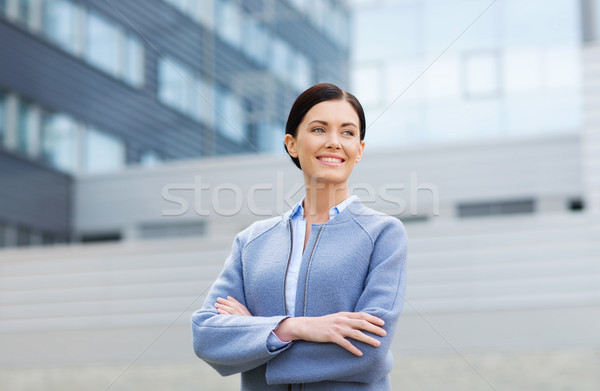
(333, 328)
(231, 306)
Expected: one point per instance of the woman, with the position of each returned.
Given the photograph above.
(310, 300)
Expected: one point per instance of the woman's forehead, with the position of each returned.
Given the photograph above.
(332, 111)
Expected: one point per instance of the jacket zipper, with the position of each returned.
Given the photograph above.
(288, 268)
(305, 281)
(307, 269)
(285, 278)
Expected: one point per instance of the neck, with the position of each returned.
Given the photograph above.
(320, 197)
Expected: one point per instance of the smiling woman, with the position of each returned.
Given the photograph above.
(320, 319)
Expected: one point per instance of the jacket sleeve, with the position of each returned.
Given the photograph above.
(231, 343)
(382, 296)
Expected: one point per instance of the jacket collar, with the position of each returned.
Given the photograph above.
(353, 209)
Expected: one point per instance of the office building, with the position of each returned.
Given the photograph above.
(93, 86)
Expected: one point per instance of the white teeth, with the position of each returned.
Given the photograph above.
(331, 159)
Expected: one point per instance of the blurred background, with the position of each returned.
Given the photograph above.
(138, 137)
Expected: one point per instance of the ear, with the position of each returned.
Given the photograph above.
(290, 144)
(360, 151)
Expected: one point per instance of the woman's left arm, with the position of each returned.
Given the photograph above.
(383, 297)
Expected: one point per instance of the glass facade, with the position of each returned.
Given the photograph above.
(431, 71)
(234, 103)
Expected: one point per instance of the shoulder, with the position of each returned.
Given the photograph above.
(378, 224)
(259, 228)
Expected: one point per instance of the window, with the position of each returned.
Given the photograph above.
(270, 136)
(229, 22)
(539, 22)
(172, 230)
(523, 70)
(201, 11)
(102, 152)
(59, 141)
(303, 74)
(496, 208)
(341, 28)
(481, 74)
(133, 58)
(173, 88)
(279, 58)
(24, 125)
(60, 23)
(181, 4)
(102, 44)
(231, 119)
(255, 38)
(24, 10)
(181, 89)
(443, 78)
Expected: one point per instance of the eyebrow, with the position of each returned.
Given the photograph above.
(327, 123)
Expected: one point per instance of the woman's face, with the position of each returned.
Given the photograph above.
(327, 142)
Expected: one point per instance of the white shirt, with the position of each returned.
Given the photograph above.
(298, 237)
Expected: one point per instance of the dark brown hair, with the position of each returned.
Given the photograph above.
(315, 95)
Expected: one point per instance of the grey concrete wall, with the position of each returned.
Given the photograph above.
(407, 181)
(514, 300)
(34, 195)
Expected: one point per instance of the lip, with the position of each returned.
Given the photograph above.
(331, 164)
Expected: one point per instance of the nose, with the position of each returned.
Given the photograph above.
(332, 141)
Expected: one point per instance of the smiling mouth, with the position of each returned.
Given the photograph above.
(330, 161)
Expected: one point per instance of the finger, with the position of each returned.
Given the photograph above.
(225, 303)
(222, 311)
(236, 304)
(362, 337)
(368, 317)
(224, 307)
(361, 324)
(231, 302)
(343, 342)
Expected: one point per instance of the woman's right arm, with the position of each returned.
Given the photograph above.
(333, 328)
(232, 343)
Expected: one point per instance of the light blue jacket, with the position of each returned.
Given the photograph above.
(355, 262)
